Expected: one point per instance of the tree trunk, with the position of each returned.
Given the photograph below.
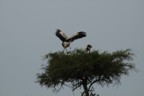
(86, 91)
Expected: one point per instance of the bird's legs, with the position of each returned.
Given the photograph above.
(64, 50)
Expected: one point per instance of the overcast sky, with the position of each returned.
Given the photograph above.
(27, 32)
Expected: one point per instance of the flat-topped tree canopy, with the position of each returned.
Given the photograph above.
(79, 68)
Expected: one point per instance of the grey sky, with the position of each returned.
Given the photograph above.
(27, 32)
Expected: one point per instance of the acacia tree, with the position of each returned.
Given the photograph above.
(81, 69)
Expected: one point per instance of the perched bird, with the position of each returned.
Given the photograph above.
(67, 40)
(88, 48)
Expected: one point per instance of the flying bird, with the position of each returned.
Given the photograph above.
(67, 40)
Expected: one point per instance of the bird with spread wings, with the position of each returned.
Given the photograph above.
(67, 40)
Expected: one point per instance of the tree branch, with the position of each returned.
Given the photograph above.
(93, 83)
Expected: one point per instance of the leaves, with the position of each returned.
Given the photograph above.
(76, 66)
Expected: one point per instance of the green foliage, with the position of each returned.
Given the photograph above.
(76, 67)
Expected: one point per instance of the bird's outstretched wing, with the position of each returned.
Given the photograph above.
(77, 36)
(61, 35)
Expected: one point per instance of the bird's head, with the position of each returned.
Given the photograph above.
(89, 46)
